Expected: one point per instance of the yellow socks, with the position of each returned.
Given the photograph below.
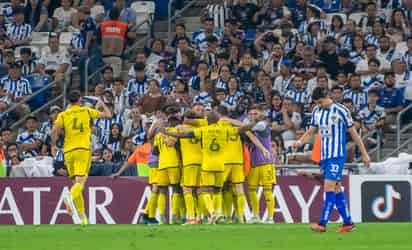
(270, 201)
(161, 204)
(254, 202)
(228, 202)
(190, 205)
(217, 202)
(152, 205)
(176, 203)
(182, 206)
(240, 205)
(207, 202)
(76, 192)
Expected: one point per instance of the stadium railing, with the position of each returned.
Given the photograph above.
(176, 15)
(127, 52)
(399, 129)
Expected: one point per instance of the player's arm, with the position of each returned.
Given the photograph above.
(233, 122)
(305, 137)
(153, 129)
(358, 140)
(258, 144)
(185, 133)
(242, 129)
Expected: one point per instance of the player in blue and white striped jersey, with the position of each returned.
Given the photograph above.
(18, 32)
(332, 120)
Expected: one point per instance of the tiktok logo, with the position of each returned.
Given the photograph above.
(386, 201)
(383, 207)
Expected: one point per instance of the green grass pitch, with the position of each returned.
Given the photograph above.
(383, 236)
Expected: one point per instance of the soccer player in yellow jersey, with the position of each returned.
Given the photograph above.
(191, 153)
(75, 124)
(214, 138)
(234, 166)
(169, 171)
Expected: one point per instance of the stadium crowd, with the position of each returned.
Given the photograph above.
(272, 53)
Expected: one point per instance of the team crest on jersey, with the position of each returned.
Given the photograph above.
(334, 118)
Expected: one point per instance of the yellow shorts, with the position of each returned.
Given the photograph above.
(191, 176)
(234, 173)
(168, 176)
(153, 176)
(211, 179)
(263, 175)
(78, 162)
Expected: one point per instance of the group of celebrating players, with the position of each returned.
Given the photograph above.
(201, 157)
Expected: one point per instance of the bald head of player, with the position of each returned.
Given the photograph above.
(321, 98)
(213, 117)
(74, 97)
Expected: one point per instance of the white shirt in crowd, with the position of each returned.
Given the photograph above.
(64, 17)
(52, 61)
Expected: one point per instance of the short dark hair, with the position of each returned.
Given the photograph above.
(74, 96)
(373, 92)
(31, 117)
(222, 110)
(107, 67)
(336, 87)
(139, 66)
(389, 73)
(114, 14)
(375, 61)
(118, 79)
(319, 93)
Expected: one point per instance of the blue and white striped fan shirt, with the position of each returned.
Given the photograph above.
(17, 32)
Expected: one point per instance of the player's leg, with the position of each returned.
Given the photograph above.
(207, 182)
(268, 180)
(163, 183)
(238, 178)
(150, 209)
(217, 197)
(227, 201)
(342, 207)
(253, 183)
(177, 197)
(190, 176)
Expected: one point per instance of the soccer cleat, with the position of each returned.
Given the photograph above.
(145, 219)
(190, 222)
(254, 220)
(152, 221)
(240, 220)
(162, 220)
(346, 228)
(84, 221)
(318, 228)
(268, 220)
(68, 202)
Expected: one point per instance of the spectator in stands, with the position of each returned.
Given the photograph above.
(157, 52)
(37, 16)
(30, 139)
(398, 26)
(9, 10)
(127, 149)
(308, 65)
(114, 34)
(233, 94)
(127, 15)
(386, 53)
(14, 88)
(134, 125)
(274, 114)
(18, 32)
(329, 56)
(13, 156)
(283, 82)
(196, 81)
(199, 38)
(344, 64)
(403, 76)
(244, 11)
(138, 86)
(153, 100)
(366, 22)
(55, 61)
(186, 69)
(180, 34)
(298, 92)
(96, 10)
(356, 93)
(27, 63)
(337, 94)
(46, 126)
(372, 116)
(272, 14)
(7, 137)
(290, 121)
(120, 96)
(391, 99)
(107, 77)
(115, 138)
(247, 71)
(374, 79)
(63, 16)
(209, 55)
(362, 65)
(233, 35)
(103, 166)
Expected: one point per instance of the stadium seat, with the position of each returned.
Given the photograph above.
(65, 38)
(40, 39)
(330, 16)
(34, 50)
(357, 16)
(37, 82)
(144, 10)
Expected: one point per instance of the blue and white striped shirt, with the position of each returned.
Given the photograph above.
(27, 137)
(137, 88)
(358, 97)
(76, 41)
(199, 40)
(301, 97)
(231, 101)
(203, 97)
(372, 39)
(370, 117)
(104, 127)
(27, 69)
(19, 87)
(17, 32)
(332, 124)
(7, 11)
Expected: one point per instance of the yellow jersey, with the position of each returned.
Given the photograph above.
(214, 140)
(234, 147)
(168, 155)
(76, 122)
(191, 149)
